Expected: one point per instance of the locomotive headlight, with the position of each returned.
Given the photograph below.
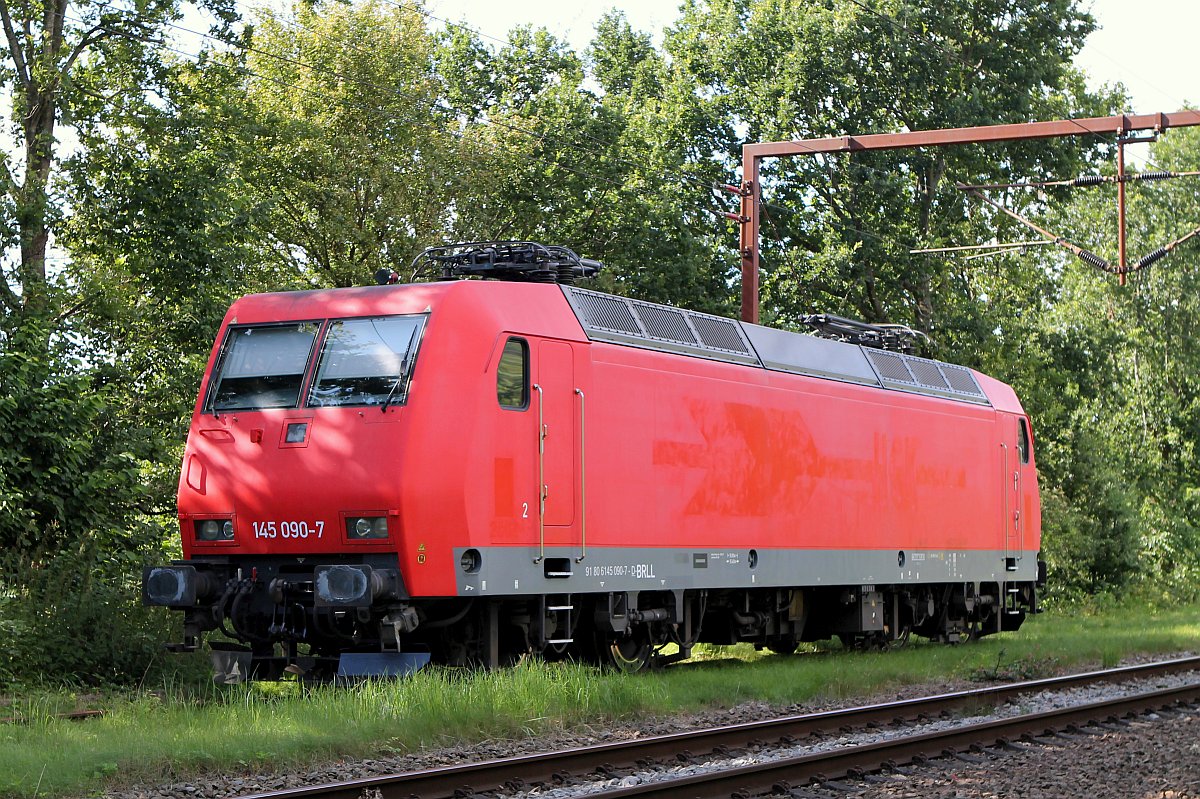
(364, 528)
(353, 585)
(214, 529)
(179, 586)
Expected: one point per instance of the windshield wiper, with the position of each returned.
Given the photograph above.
(408, 354)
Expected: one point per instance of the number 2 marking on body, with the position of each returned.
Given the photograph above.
(524, 510)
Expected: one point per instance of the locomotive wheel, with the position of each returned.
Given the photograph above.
(866, 642)
(783, 646)
(852, 641)
(629, 654)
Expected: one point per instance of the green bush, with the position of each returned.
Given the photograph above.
(77, 619)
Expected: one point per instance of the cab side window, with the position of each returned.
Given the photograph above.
(1023, 440)
(512, 375)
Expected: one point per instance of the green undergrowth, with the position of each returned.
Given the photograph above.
(181, 729)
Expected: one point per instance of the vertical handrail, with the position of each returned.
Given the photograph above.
(541, 476)
(1019, 496)
(1004, 485)
(582, 476)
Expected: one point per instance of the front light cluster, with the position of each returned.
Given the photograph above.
(214, 530)
(362, 528)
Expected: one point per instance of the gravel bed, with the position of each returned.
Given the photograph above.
(1030, 703)
(213, 786)
(1154, 759)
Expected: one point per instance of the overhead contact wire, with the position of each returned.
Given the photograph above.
(1089, 180)
(1085, 255)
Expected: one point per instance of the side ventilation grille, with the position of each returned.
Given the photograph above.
(926, 373)
(923, 376)
(659, 327)
(891, 366)
(961, 379)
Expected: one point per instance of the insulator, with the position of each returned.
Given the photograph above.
(1157, 255)
(735, 217)
(1162, 174)
(386, 277)
(1089, 180)
(1095, 260)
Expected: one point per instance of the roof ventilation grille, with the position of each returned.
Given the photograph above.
(649, 325)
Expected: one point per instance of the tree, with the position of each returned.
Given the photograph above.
(351, 153)
(838, 228)
(1133, 403)
(72, 468)
(56, 62)
(602, 153)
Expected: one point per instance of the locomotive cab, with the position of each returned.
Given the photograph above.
(327, 470)
(288, 505)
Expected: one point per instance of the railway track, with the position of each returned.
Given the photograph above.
(779, 773)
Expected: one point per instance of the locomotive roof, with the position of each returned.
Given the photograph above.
(629, 322)
(605, 317)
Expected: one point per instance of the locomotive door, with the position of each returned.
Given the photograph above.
(1015, 446)
(554, 390)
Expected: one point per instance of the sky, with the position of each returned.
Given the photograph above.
(1149, 45)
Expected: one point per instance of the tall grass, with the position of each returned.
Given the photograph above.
(178, 731)
(183, 729)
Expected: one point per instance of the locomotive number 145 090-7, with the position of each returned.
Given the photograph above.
(283, 529)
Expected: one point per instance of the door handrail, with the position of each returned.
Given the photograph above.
(1018, 492)
(1004, 487)
(541, 433)
(582, 476)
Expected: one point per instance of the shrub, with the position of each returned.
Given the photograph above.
(77, 618)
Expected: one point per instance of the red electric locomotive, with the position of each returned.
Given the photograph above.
(470, 470)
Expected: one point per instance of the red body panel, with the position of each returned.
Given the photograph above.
(675, 451)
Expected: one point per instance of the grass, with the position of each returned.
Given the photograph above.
(184, 730)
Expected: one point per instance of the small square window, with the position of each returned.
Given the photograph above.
(296, 433)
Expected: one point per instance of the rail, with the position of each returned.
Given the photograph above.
(452, 781)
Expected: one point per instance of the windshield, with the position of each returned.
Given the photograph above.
(362, 362)
(262, 367)
(366, 361)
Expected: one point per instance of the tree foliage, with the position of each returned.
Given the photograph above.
(838, 228)
(75, 453)
(59, 60)
(349, 150)
(1126, 417)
